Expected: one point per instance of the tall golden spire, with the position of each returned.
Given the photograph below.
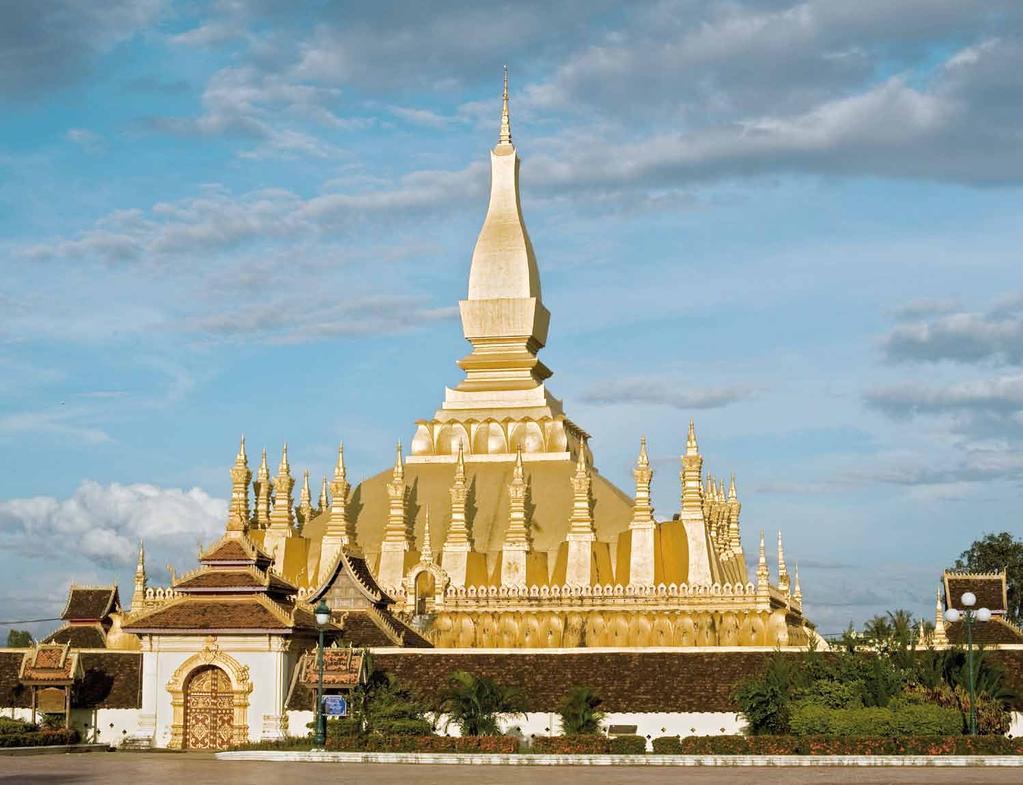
(642, 526)
(338, 525)
(505, 135)
(763, 577)
(581, 522)
(262, 486)
(783, 573)
(458, 531)
(396, 531)
(305, 501)
(642, 509)
(797, 592)
(138, 596)
(518, 531)
(426, 549)
(940, 636)
(282, 519)
(238, 512)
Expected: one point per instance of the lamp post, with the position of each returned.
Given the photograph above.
(322, 614)
(969, 616)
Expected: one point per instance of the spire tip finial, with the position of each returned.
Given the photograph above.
(505, 135)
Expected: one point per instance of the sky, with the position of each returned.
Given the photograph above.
(796, 222)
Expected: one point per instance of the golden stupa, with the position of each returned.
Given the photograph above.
(496, 530)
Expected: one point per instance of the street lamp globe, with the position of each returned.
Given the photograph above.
(952, 615)
(983, 614)
(969, 599)
(322, 613)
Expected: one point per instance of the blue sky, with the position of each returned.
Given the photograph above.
(796, 222)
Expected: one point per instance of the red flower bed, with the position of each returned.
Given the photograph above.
(374, 743)
(833, 745)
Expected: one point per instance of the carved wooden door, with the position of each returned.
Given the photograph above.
(209, 710)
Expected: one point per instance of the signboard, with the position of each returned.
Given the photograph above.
(335, 706)
(50, 700)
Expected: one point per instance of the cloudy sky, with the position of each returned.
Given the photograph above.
(796, 221)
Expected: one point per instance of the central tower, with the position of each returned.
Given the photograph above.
(502, 405)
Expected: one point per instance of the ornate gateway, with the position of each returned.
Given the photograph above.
(209, 710)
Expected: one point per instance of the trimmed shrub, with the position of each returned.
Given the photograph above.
(667, 745)
(627, 745)
(836, 745)
(582, 744)
(290, 743)
(42, 738)
(902, 719)
(9, 725)
(378, 743)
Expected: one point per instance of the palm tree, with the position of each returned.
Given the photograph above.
(474, 703)
(579, 712)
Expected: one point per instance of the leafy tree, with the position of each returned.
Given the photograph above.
(19, 639)
(473, 703)
(995, 552)
(579, 712)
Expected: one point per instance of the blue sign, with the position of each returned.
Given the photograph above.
(335, 706)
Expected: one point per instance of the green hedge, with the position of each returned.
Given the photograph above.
(9, 725)
(582, 744)
(831, 745)
(287, 743)
(897, 721)
(377, 743)
(627, 745)
(43, 738)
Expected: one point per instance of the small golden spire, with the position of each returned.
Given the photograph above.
(518, 473)
(460, 464)
(505, 135)
(399, 464)
(940, 637)
(285, 466)
(426, 551)
(644, 458)
(339, 469)
(324, 498)
(139, 594)
(305, 501)
(580, 463)
(797, 592)
(338, 525)
(242, 458)
(732, 495)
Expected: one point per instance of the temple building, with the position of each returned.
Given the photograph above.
(496, 529)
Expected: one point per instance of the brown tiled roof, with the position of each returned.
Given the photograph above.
(111, 680)
(49, 663)
(90, 603)
(215, 613)
(235, 549)
(995, 631)
(80, 636)
(341, 668)
(990, 589)
(108, 680)
(628, 682)
(234, 578)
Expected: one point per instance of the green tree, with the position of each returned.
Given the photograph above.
(579, 712)
(994, 552)
(19, 639)
(473, 703)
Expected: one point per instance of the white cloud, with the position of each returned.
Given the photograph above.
(104, 523)
(676, 393)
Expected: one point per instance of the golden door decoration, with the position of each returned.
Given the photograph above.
(209, 710)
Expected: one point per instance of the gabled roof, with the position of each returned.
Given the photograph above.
(90, 603)
(989, 587)
(996, 631)
(111, 680)
(352, 571)
(80, 636)
(247, 578)
(235, 550)
(50, 663)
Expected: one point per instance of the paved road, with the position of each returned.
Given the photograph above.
(198, 769)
